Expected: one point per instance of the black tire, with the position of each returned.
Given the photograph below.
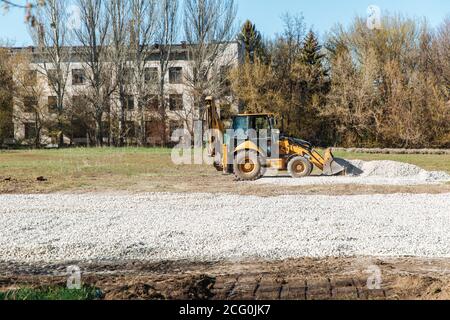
(247, 166)
(299, 167)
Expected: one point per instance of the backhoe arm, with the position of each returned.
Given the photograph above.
(213, 120)
(214, 125)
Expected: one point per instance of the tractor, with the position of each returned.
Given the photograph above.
(253, 144)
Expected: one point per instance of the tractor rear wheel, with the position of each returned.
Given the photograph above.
(247, 166)
(300, 167)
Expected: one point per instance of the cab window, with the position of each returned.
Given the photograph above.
(240, 123)
(261, 123)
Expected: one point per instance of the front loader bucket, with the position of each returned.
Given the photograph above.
(331, 167)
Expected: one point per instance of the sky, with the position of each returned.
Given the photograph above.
(321, 15)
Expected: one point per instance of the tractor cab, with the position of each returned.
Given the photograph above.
(259, 128)
(257, 122)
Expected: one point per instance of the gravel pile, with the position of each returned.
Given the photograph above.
(205, 227)
(393, 169)
(367, 173)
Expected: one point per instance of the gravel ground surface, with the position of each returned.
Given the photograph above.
(365, 173)
(204, 227)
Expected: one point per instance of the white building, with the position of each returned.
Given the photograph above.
(180, 110)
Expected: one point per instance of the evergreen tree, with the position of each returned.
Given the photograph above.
(312, 82)
(250, 38)
(311, 51)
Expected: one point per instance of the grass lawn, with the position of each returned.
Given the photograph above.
(51, 293)
(151, 170)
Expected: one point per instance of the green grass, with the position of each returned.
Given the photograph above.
(88, 169)
(52, 293)
(136, 170)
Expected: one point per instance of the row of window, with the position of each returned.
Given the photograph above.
(151, 75)
(152, 128)
(152, 103)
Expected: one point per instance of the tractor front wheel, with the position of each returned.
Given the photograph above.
(300, 167)
(247, 166)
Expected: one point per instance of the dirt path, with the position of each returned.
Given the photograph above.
(300, 279)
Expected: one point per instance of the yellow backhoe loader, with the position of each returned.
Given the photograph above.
(253, 144)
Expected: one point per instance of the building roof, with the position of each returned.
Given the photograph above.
(255, 114)
(179, 51)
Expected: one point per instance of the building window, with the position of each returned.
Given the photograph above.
(152, 102)
(176, 75)
(30, 104)
(129, 102)
(30, 131)
(52, 104)
(176, 102)
(78, 77)
(31, 78)
(151, 75)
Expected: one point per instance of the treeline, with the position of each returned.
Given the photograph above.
(356, 87)
(387, 87)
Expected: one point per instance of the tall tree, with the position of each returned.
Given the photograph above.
(384, 91)
(442, 52)
(93, 37)
(51, 35)
(250, 38)
(119, 15)
(255, 85)
(285, 54)
(312, 85)
(166, 35)
(311, 51)
(209, 26)
(142, 30)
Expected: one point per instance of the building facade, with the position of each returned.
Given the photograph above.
(41, 105)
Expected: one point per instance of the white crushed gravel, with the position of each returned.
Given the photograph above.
(61, 227)
(365, 173)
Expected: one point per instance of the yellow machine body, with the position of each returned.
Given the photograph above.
(289, 149)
